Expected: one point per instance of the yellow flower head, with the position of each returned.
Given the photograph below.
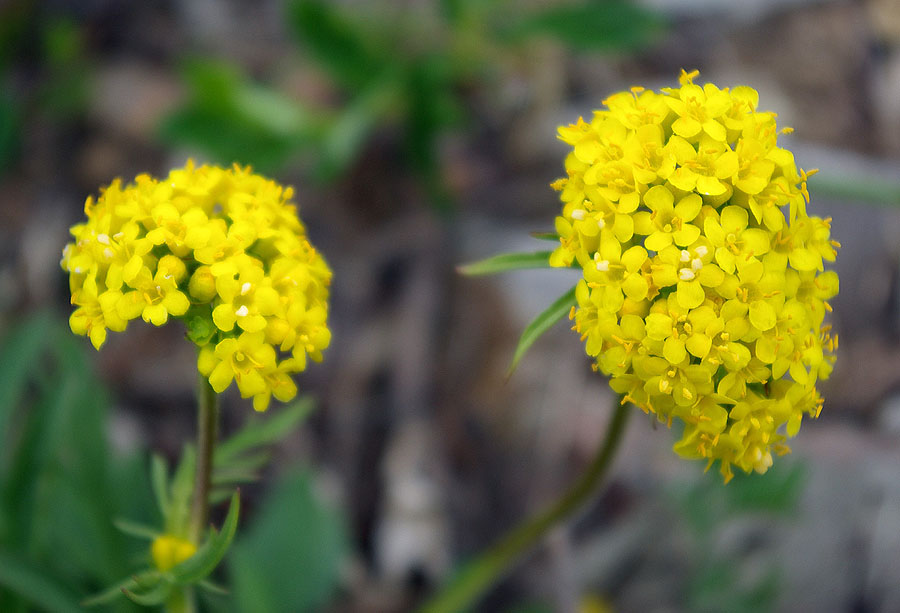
(220, 249)
(704, 290)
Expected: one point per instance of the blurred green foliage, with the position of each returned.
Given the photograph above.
(235, 120)
(65, 86)
(70, 505)
(44, 71)
(393, 68)
(289, 560)
(61, 486)
(607, 25)
(720, 582)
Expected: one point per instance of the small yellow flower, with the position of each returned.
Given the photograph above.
(704, 292)
(169, 551)
(221, 249)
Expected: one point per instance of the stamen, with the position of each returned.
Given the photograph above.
(686, 274)
(579, 214)
(245, 288)
(243, 311)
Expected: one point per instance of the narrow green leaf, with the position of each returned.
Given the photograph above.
(218, 495)
(146, 579)
(214, 588)
(276, 113)
(203, 562)
(19, 577)
(264, 431)
(540, 324)
(159, 479)
(234, 476)
(250, 460)
(546, 236)
(181, 490)
(20, 352)
(506, 261)
(136, 529)
(592, 25)
(152, 597)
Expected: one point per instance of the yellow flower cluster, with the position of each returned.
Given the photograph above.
(704, 291)
(168, 551)
(221, 249)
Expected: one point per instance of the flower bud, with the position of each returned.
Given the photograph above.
(202, 285)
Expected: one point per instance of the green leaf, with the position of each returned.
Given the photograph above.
(546, 236)
(159, 479)
(273, 112)
(249, 460)
(214, 588)
(289, 559)
(152, 597)
(593, 25)
(180, 491)
(540, 324)
(20, 353)
(233, 476)
(38, 590)
(264, 431)
(338, 43)
(203, 562)
(507, 261)
(136, 529)
(218, 495)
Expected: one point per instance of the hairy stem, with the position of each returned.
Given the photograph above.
(207, 421)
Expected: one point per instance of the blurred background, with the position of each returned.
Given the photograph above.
(420, 135)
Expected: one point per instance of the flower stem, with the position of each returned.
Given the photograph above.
(181, 601)
(493, 564)
(207, 421)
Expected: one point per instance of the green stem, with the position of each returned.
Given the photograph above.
(484, 571)
(181, 601)
(207, 420)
